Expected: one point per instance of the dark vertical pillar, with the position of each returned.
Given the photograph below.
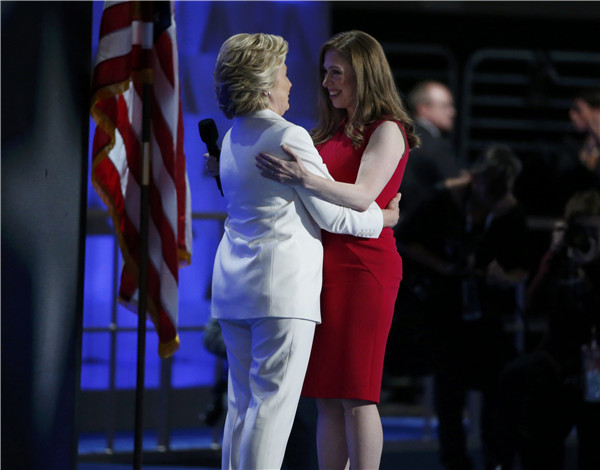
(46, 64)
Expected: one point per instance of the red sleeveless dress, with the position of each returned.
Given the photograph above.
(361, 278)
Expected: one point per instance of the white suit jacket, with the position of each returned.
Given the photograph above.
(269, 261)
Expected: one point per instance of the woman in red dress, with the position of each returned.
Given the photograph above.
(364, 135)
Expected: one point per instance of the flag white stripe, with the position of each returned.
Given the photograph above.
(168, 284)
(118, 43)
(164, 97)
(162, 179)
(120, 163)
(134, 111)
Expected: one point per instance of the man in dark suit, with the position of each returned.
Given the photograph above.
(433, 109)
(408, 351)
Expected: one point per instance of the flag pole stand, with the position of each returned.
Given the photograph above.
(143, 280)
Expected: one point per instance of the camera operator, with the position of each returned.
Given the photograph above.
(546, 393)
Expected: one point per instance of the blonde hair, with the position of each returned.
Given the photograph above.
(247, 67)
(376, 94)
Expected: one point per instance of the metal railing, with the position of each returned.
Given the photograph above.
(98, 223)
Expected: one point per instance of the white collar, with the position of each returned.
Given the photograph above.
(264, 113)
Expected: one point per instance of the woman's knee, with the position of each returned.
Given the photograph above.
(358, 406)
(329, 406)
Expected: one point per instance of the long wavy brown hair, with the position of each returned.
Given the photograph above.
(377, 96)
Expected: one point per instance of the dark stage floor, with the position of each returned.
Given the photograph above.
(409, 445)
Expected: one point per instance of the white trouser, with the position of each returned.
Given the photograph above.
(267, 359)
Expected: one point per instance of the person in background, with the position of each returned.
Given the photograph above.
(432, 106)
(585, 115)
(578, 167)
(364, 135)
(408, 355)
(546, 393)
(468, 246)
(268, 266)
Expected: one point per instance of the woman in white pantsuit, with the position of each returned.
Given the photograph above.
(267, 271)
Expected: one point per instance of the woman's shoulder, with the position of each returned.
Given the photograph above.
(387, 125)
(296, 132)
(279, 121)
(383, 121)
(281, 127)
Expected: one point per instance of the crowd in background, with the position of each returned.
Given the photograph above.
(464, 239)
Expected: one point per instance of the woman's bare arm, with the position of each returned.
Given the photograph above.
(379, 161)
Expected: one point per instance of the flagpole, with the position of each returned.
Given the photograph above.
(118, 87)
(143, 279)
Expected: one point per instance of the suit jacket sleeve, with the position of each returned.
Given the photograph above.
(330, 217)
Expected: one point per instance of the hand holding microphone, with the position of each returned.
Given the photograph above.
(211, 164)
(209, 135)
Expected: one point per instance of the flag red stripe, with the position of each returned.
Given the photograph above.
(111, 71)
(108, 109)
(164, 52)
(169, 243)
(164, 140)
(180, 182)
(166, 329)
(118, 69)
(114, 18)
(101, 140)
(106, 175)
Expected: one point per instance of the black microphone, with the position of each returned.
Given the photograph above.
(209, 135)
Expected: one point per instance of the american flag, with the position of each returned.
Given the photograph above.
(138, 45)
